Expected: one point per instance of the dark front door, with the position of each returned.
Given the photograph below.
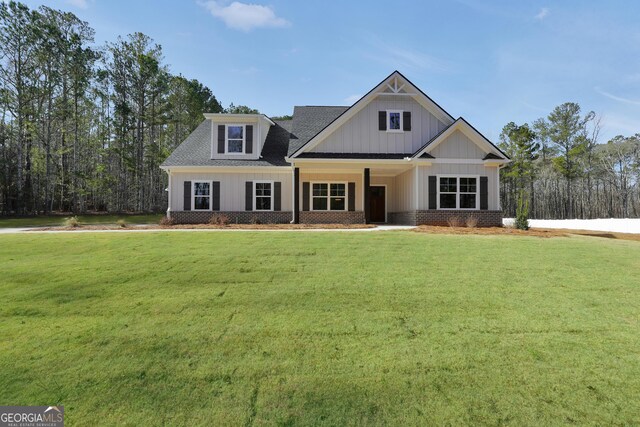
(377, 202)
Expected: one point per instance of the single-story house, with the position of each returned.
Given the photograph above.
(394, 156)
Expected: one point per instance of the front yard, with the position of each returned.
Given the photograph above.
(333, 328)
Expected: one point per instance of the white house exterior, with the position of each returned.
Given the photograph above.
(394, 156)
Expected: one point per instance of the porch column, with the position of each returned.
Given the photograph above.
(296, 195)
(367, 182)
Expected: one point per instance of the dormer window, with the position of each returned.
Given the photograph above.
(235, 139)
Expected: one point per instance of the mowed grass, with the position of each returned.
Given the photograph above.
(332, 328)
(98, 219)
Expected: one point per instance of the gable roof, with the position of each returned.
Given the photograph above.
(421, 97)
(308, 121)
(196, 149)
(461, 124)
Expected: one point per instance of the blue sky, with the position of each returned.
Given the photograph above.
(489, 61)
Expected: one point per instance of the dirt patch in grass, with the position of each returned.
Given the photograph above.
(490, 231)
(213, 227)
(535, 232)
(604, 234)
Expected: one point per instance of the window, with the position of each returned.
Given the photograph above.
(235, 139)
(457, 192)
(329, 197)
(394, 121)
(448, 193)
(263, 191)
(468, 193)
(201, 195)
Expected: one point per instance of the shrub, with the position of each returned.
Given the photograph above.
(219, 220)
(121, 223)
(454, 221)
(471, 221)
(72, 222)
(167, 221)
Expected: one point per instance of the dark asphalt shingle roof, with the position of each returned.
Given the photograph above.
(196, 149)
(308, 121)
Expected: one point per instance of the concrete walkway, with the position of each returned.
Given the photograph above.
(145, 230)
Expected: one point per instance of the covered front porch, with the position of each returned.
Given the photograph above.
(352, 192)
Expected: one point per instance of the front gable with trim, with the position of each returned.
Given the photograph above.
(358, 130)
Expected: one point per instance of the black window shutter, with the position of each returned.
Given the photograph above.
(406, 121)
(305, 196)
(382, 120)
(248, 149)
(215, 195)
(248, 196)
(484, 196)
(187, 196)
(277, 196)
(221, 137)
(352, 196)
(433, 192)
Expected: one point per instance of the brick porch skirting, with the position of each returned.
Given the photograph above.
(436, 217)
(331, 217)
(403, 218)
(240, 217)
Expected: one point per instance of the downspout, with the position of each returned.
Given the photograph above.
(169, 195)
(293, 193)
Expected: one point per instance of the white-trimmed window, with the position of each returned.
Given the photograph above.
(201, 195)
(394, 121)
(235, 138)
(329, 196)
(263, 195)
(458, 192)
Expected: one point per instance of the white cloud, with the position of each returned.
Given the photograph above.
(617, 98)
(350, 100)
(81, 4)
(244, 16)
(542, 14)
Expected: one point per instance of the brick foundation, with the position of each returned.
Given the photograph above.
(436, 217)
(402, 218)
(428, 217)
(331, 217)
(203, 217)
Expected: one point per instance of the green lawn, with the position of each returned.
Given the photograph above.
(55, 220)
(335, 328)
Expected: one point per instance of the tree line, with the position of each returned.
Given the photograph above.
(560, 168)
(85, 127)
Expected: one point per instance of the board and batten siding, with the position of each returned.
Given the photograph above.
(361, 135)
(404, 191)
(457, 146)
(335, 177)
(454, 169)
(232, 188)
